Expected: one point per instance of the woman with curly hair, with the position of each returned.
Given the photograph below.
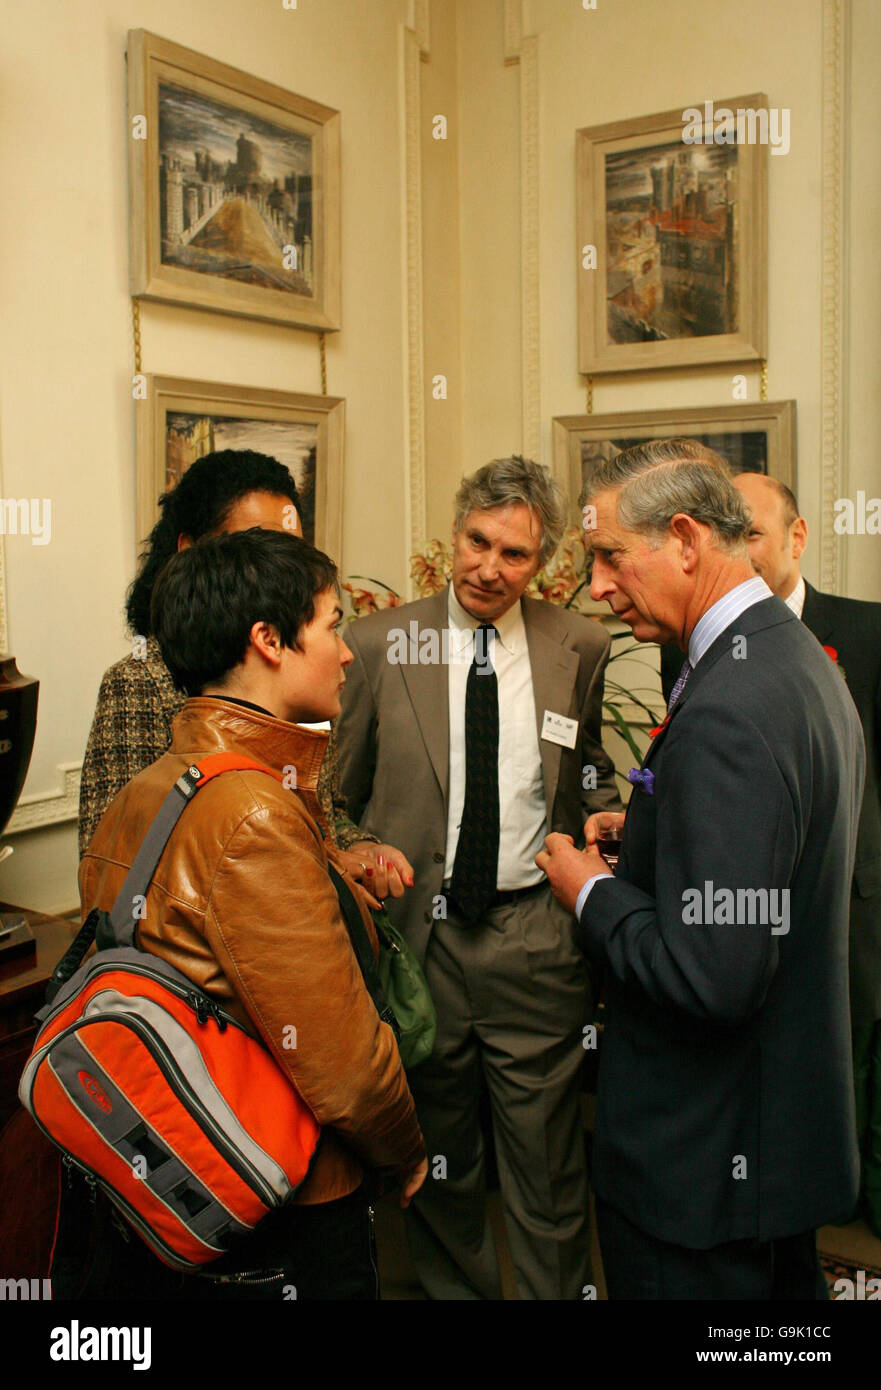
(230, 490)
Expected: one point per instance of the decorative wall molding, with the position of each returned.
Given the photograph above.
(420, 23)
(40, 809)
(523, 51)
(530, 327)
(834, 373)
(513, 31)
(416, 504)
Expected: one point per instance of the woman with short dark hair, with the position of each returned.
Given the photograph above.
(223, 492)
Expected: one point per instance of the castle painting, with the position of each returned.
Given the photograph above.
(235, 193)
(189, 436)
(671, 242)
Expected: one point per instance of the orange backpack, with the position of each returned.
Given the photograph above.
(152, 1090)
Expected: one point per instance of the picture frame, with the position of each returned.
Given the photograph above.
(672, 238)
(235, 190)
(181, 420)
(754, 437)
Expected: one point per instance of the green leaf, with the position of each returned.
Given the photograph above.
(387, 587)
(623, 729)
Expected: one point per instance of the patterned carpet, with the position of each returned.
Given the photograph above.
(859, 1277)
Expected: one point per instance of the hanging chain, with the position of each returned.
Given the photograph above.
(763, 383)
(323, 353)
(590, 395)
(136, 327)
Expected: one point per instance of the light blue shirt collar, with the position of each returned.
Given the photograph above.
(722, 615)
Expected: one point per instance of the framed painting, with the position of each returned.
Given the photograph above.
(672, 238)
(180, 421)
(235, 190)
(759, 438)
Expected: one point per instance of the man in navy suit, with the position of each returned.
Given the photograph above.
(725, 1122)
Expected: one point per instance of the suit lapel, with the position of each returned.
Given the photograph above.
(766, 613)
(429, 691)
(554, 673)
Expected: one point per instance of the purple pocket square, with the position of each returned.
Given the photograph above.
(642, 777)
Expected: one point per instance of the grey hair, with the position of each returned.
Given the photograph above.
(665, 476)
(505, 482)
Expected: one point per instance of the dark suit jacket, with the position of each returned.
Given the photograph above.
(727, 1048)
(393, 737)
(853, 628)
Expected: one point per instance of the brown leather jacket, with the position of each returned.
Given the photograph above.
(241, 903)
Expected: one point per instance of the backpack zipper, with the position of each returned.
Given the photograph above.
(202, 1004)
(155, 1241)
(371, 1218)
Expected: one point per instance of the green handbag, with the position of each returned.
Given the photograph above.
(406, 991)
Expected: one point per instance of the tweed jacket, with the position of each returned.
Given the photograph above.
(131, 728)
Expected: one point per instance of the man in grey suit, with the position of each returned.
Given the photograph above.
(725, 1118)
(470, 728)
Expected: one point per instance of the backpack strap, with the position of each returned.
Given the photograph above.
(124, 915)
(118, 929)
(363, 949)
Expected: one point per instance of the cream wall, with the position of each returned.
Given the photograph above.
(432, 269)
(67, 418)
(634, 57)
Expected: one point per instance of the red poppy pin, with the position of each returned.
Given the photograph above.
(832, 654)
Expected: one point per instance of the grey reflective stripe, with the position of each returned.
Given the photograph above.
(126, 958)
(140, 874)
(27, 1078)
(214, 1221)
(188, 1058)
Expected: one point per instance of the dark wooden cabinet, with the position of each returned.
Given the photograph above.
(22, 989)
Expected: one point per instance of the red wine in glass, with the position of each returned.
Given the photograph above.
(609, 846)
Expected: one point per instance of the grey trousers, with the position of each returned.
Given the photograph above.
(512, 1001)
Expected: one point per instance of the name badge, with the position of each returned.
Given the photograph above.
(556, 728)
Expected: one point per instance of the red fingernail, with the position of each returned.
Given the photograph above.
(368, 871)
(380, 859)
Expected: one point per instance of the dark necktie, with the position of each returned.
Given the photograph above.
(475, 868)
(680, 684)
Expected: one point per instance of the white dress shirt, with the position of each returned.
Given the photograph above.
(721, 615)
(522, 813)
(796, 600)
